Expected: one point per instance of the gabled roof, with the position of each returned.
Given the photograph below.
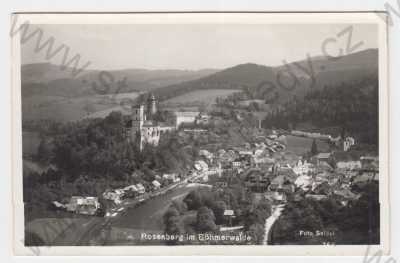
(140, 186)
(279, 180)
(346, 193)
(131, 188)
(228, 212)
(323, 155)
(156, 183)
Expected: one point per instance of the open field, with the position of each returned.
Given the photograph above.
(70, 109)
(302, 145)
(104, 113)
(206, 97)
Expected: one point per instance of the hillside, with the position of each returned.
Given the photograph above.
(237, 77)
(50, 80)
(258, 80)
(364, 60)
(49, 92)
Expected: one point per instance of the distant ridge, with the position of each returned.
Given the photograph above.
(325, 71)
(49, 79)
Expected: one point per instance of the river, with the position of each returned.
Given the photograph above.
(147, 217)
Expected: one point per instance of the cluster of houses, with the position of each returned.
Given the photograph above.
(138, 190)
(241, 157)
(88, 205)
(80, 205)
(118, 195)
(319, 177)
(316, 179)
(190, 117)
(262, 170)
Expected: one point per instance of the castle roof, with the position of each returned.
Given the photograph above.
(151, 97)
(149, 123)
(187, 113)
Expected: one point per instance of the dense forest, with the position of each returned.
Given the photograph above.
(89, 156)
(351, 106)
(202, 211)
(356, 223)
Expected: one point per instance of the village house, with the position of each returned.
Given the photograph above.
(236, 164)
(322, 177)
(347, 143)
(202, 118)
(316, 197)
(116, 195)
(206, 154)
(303, 168)
(156, 185)
(228, 156)
(83, 205)
(229, 215)
(304, 182)
(323, 166)
(365, 178)
(131, 191)
(221, 184)
(256, 181)
(369, 164)
(214, 171)
(204, 178)
(346, 195)
(348, 165)
(276, 197)
(281, 182)
(322, 157)
(141, 189)
(201, 165)
(321, 188)
(182, 117)
(171, 178)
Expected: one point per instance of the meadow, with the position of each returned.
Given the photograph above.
(205, 97)
(70, 109)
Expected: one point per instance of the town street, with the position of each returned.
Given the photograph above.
(269, 222)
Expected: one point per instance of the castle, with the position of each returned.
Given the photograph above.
(142, 128)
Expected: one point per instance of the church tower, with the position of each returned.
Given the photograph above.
(137, 123)
(151, 105)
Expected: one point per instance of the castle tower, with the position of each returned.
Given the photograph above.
(151, 105)
(137, 123)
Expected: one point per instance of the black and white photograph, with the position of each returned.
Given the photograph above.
(264, 131)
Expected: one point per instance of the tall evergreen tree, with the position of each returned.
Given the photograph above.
(314, 148)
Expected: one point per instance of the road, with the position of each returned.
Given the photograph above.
(269, 222)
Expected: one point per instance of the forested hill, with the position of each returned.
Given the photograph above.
(352, 106)
(240, 77)
(52, 80)
(295, 78)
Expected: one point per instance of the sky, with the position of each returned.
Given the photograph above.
(192, 47)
